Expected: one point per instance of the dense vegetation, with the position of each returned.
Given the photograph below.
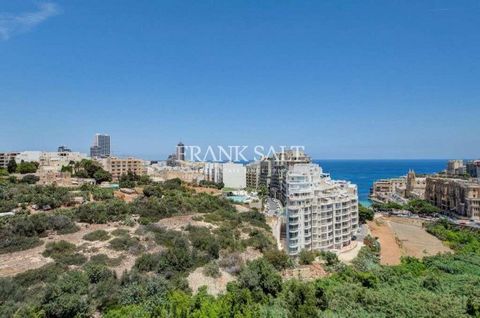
(416, 206)
(77, 286)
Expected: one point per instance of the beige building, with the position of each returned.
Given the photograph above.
(386, 187)
(118, 166)
(253, 170)
(415, 186)
(5, 158)
(186, 174)
(455, 195)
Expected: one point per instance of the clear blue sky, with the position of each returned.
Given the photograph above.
(347, 79)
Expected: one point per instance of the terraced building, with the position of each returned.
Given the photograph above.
(321, 214)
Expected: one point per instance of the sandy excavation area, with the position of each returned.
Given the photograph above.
(403, 237)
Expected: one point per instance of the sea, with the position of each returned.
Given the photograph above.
(364, 172)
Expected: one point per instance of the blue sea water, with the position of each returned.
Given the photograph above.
(364, 172)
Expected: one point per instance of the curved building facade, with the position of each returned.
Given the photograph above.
(321, 214)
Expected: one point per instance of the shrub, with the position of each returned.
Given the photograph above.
(64, 252)
(126, 243)
(212, 270)
(307, 257)
(98, 235)
(279, 259)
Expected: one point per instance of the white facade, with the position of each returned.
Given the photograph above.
(213, 172)
(28, 156)
(234, 175)
(321, 214)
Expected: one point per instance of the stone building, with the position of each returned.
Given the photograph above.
(454, 195)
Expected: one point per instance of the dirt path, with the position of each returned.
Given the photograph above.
(390, 252)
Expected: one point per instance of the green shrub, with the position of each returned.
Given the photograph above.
(98, 235)
(212, 270)
(306, 257)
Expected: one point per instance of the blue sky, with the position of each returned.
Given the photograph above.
(346, 79)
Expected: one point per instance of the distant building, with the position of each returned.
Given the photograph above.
(191, 173)
(321, 214)
(473, 168)
(100, 147)
(234, 175)
(415, 186)
(280, 163)
(456, 167)
(213, 172)
(28, 156)
(253, 171)
(6, 157)
(454, 195)
(54, 161)
(385, 190)
(119, 166)
(64, 149)
(180, 153)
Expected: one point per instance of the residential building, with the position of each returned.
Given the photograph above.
(473, 168)
(321, 214)
(253, 170)
(180, 153)
(6, 157)
(459, 196)
(118, 166)
(213, 172)
(384, 188)
(234, 175)
(456, 167)
(265, 173)
(51, 161)
(28, 156)
(54, 161)
(101, 146)
(280, 163)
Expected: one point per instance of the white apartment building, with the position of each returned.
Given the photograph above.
(213, 172)
(321, 214)
(234, 175)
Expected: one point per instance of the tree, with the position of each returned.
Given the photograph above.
(306, 257)
(3, 172)
(279, 259)
(101, 176)
(12, 166)
(260, 277)
(421, 207)
(30, 179)
(365, 214)
(27, 167)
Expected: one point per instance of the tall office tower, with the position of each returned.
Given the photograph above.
(101, 146)
(180, 151)
(321, 214)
